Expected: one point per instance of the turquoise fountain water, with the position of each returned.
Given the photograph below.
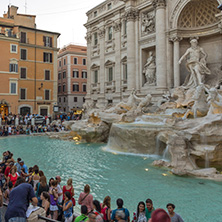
(131, 177)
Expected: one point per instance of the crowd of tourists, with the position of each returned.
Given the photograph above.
(21, 185)
(29, 129)
(22, 119)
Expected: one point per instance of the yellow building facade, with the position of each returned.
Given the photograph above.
(28, 66)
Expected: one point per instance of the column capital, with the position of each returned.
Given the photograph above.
(175, 39)
(117, 26)
(131, 14)
(159, 3)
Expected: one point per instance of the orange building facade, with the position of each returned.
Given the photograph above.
(28, 66)
(72, 77)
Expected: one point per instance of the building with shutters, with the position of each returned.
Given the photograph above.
(137, 44)
(28, 65)
(72, 77)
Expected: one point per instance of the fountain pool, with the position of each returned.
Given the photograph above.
(131, 177)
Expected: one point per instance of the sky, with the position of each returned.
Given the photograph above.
(66, 17)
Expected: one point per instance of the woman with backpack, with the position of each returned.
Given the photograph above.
(97, 211)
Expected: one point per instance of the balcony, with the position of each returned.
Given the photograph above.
(95, 88)
(124, 85)
(111, 85)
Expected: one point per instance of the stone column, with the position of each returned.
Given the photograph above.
(118, 74)
(131, 15)
(102, 76)
(176, 66)
(89, 78)
(161, 65)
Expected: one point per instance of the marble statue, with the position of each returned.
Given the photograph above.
(150, 69)
(16, 121)
(148, 23)
(123, 107)
(196, 65)
(215, 102)
(200, 106)
(143, 105)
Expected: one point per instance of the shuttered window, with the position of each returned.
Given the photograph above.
(23, 54)
(47, 41)
(47, 74)
(22, 93)
(47, 57)
(46, 94)
(23, 37)
(13, 67)
(23, 73)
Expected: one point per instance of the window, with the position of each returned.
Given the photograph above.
(13, 48)
(59, 75)
(47, 57)
(75, 99)
(60, 64)
(64, 75)
(109, 6)
(22, 93)
(47, 94)
(23, 73)
(75, 74)
(47, 41)
(64, 88)
(95, 13)
(13, 87)
(83, 99)
(47, 74)
(13, 67)
(84, 62)
(110, 74)
(95, 38)
(110, 101)
(75, 61)
(59, 88)
(125, 71)
(84, 87)
(64, 99)
(96, 76)
(23, 37)
(60, 99)
(125, 27)
(84, 74)
(75, 87)
(110, 33)
(64, 62)
(23, 54)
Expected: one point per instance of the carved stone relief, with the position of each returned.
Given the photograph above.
(148, 22)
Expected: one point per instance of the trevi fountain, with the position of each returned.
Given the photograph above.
(183, 128)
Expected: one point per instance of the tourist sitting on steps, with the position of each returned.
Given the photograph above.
(140, 214)
(173, 216)
(83, 216)
(119, 203)
(149, 208)
(20, 197)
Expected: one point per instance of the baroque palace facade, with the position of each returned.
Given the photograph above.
(137, 44)
(28, 65)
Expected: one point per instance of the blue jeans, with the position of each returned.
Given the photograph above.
(17, 219)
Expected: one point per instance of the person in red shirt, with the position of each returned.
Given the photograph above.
(13, 175)
(8, 168)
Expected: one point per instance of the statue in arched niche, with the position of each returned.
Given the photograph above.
(196, 64)
(149, 69)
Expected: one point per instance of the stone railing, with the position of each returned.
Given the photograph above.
(111, 85)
